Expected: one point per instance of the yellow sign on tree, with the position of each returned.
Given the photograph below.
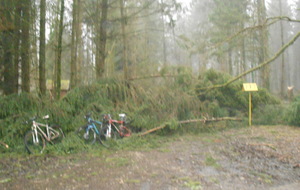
(250, 87)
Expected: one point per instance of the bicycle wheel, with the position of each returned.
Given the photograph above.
(107, 139)
(31, 145)
(89, 136)
(124, 132)
(56, 135)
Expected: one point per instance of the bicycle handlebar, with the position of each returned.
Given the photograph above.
(90, 120)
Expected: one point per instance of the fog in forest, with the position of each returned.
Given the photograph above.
(82, 41)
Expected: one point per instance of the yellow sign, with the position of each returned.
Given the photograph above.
(250, 87)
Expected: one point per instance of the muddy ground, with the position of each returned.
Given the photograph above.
(260, 157)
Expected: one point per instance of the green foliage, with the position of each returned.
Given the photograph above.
(171, 101)
(146, 108)
(269, 115)
(293, 112)
(17, 104)
(229, 100)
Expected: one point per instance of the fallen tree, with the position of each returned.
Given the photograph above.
(204, 120)
(5, 145)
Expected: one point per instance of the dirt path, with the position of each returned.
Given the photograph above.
(266, 157)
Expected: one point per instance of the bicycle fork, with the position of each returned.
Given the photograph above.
(108, 131)
(35, 137)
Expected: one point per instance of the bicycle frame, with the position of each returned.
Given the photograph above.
(92, 125)
(115, 124)
(36, 127)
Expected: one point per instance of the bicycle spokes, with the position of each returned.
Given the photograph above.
(34, 142)
(88, 134)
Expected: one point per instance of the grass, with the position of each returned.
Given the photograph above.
(210, 161)
(263, 176)
(30, 176)
(6, 180)
(192, 184)
(117, 162)
(259, 138)
(135, 181)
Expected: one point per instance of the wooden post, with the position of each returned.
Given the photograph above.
(250, 111)
(250, 87)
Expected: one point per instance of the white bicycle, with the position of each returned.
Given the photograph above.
(36, 138)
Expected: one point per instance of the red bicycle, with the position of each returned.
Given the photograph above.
(113, 129)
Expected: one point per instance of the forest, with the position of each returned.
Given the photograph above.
(178, 69)
(161, 62)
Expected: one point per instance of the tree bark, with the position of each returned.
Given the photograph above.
(164, 35)
(17, 34)
(59, 51)
(283, 69)
(263, 44)
(101, 42)
(73, 65)
(25, 46)
(124, 38)
(7, 38)
(79, 41)
(42, 53)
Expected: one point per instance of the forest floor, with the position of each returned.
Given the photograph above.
(259, 157)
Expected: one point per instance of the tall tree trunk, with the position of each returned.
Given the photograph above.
(230, 62)
(243, 64)
(101, 42)
(263, 43)
(164, 35)
(296, 50)
(34, 56)
(59, 51)
(73, 65)
(42, 53)
(283, 69)
(79, 41)
(55, 32)
(25, 45)
(124, 37)
(7, 37)
(17, 34)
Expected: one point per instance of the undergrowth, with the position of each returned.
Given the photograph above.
(293, 112)
(147, 104)
(229, 100)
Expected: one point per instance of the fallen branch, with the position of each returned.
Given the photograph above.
(153, 76)
(283, 48)
(6, 146)
(192, 121)
(210, 120)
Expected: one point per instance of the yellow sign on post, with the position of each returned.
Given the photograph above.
(250, 87)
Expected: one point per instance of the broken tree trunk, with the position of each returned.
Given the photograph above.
(192, 121)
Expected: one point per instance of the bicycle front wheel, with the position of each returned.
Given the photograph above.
(35, 144)
(108, 137)
(89, 136)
